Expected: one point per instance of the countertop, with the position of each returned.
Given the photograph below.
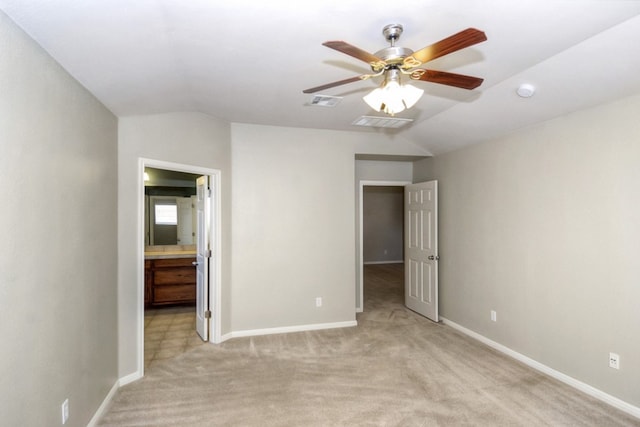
(169, 254)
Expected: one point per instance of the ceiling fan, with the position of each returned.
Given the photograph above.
(394, 61)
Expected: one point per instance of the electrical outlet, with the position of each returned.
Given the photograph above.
(319, 302)
(494, 316)
(614, 361)
(65, 411)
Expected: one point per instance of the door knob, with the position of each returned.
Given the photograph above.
(194, 263)
(431, 257)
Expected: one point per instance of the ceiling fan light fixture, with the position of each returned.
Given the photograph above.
(393, 97)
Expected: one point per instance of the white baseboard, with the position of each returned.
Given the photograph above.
(289, 329)
(107, 400)
(104, 405)
(129, 379)
(585, 388)
(225, 337)
(382, 262)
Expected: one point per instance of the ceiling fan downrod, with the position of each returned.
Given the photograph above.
(392, 33)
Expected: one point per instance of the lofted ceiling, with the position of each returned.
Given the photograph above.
(248, 61)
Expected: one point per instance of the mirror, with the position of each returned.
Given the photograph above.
(169, 200)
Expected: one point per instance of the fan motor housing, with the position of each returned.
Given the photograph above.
(394, 54)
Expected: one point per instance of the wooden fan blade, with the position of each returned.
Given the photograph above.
(458, 41)
(350, 50)
(338, 83)
(445, 78)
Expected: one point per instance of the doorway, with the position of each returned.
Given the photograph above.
(420, 242)
(211, 301)
(361, 195)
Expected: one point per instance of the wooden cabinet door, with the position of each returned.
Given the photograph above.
(173, 281)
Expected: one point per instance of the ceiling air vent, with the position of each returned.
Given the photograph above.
(381, 122)
(325, 100)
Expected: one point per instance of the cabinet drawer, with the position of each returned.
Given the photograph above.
(174, 276)
(174, 294)
(173, 262)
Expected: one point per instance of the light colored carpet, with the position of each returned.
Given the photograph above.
(394, 369)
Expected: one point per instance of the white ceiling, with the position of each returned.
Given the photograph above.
(249, 60)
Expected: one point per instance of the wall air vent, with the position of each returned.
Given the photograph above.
(381, 122)
(325, 100)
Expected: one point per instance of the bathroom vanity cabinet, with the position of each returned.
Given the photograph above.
(170, 281)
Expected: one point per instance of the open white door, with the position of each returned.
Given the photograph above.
(203, 254)
(421, 248)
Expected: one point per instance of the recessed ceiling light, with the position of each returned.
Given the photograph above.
(526, 90)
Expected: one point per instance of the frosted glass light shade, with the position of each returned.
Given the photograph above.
(375, 99)
(411, 95)
(393, 98)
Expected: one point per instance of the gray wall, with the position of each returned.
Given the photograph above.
(382, 226)
(293, 223)
(543, 227)
(58, 247)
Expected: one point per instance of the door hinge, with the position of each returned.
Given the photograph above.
(207, 253)
(207, 314)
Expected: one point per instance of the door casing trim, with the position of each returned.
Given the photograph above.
(215, 281)
(361, 185)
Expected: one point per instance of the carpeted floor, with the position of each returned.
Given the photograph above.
(394, 369)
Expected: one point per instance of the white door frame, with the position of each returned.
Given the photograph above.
(362, 184)
(216, 245)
